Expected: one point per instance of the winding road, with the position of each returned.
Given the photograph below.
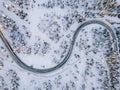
(35, 70)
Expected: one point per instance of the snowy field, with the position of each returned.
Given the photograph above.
(59, 44)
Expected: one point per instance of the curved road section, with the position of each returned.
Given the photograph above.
(35, 70)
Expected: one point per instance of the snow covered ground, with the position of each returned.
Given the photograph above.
(41, 33)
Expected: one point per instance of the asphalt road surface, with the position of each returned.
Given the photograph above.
(35, 70)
